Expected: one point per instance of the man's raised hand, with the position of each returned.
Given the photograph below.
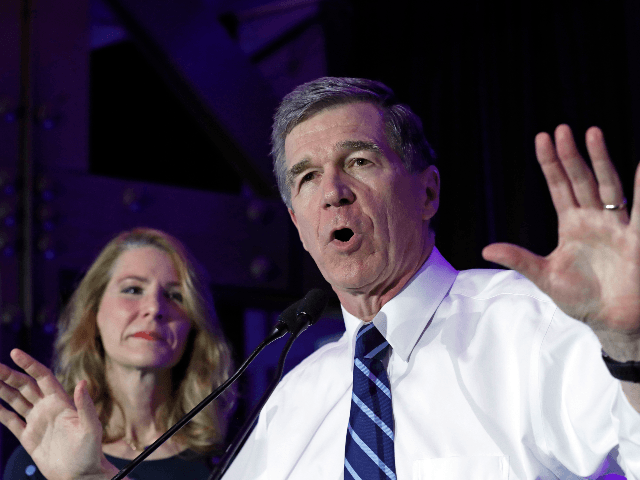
(593, 274)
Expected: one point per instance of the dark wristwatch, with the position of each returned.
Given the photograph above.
(627, 371)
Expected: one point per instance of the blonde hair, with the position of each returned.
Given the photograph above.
(205, 363)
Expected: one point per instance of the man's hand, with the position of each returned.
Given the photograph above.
(63, 436)
(593, 274)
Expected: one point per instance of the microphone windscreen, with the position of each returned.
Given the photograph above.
(290, 316)
(312, 305)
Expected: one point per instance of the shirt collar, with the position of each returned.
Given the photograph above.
(403, 319)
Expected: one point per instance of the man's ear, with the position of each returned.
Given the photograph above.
(292, 214)
(431, 184)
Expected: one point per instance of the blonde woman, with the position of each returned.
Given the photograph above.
(141, 331)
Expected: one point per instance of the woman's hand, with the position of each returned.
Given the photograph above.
(62, 436)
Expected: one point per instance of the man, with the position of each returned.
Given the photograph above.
(486, 377)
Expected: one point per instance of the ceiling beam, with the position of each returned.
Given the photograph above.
(213, 78)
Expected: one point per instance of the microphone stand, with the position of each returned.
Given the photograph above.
(240, 439)
(278, 331)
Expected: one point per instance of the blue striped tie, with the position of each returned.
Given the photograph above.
(369, 449)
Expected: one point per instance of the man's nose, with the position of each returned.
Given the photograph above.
(336, 189)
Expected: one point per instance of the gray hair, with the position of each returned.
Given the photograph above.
(403, 128)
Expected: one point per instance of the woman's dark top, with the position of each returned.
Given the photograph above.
(188, 465)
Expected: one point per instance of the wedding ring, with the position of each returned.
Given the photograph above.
(619, 206)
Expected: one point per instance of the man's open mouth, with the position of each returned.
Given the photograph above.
(343, 235)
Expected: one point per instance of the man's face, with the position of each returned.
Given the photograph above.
(363, 218)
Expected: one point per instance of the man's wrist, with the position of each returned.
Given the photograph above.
(620, 346)
(626, 371)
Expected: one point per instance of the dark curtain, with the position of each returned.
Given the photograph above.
(485, 77)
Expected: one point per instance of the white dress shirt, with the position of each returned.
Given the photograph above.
(489, 380)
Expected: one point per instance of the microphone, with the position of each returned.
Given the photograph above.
(307, 312)
(304, 312)
(310, 308)
(288, 321)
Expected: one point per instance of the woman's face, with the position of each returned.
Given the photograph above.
(141, 319)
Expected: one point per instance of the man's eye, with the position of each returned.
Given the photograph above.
(135, 290)
(360, 162)
(307, 177)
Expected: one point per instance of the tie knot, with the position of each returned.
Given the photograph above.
(370, 344)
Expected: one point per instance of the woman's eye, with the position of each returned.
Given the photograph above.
(175, 296)
(135, 290)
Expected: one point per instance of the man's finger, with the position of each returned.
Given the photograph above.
(582, 183)
(557, 180)
(609, 185)
(516, 258)
(635, 207)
